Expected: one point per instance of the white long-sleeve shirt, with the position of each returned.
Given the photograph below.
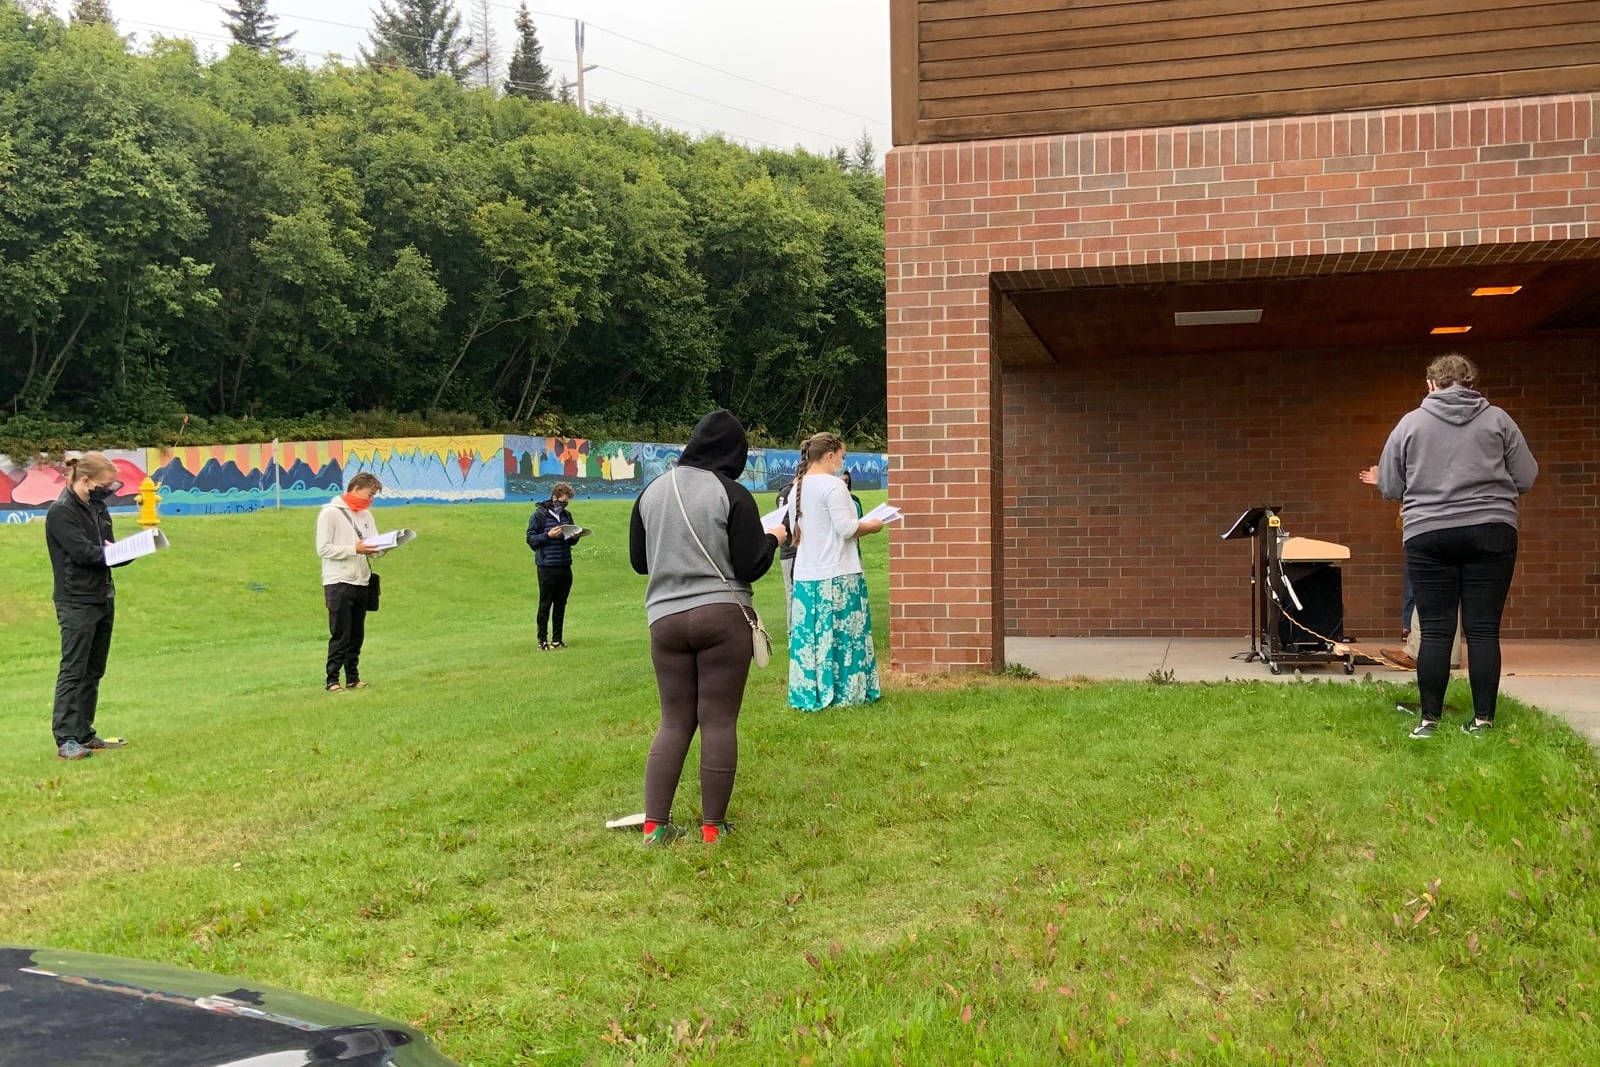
(827, 530)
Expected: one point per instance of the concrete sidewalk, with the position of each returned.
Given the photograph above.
(1559, 676)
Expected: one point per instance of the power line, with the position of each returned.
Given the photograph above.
(719, 103)
(708, 66)
(572, 62)
(622, 108)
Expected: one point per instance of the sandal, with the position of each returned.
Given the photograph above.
(358, 685)
(334, 687)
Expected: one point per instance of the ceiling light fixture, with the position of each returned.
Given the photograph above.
(1450, 329)
(1497, 290)
(1216, 318)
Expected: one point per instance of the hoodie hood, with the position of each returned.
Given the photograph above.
(1455, 404)
(718, 444)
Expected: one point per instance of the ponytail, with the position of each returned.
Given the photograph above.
(89, 465)
(812, 449)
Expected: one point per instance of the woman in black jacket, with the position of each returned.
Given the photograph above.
(76, 530)
(548, 528)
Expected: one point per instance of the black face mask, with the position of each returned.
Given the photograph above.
(101, 493)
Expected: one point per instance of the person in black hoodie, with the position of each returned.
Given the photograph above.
(76, 530)
(698, 603)
(548, 527)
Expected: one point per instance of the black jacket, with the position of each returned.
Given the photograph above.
(76, 534)
(549, 551)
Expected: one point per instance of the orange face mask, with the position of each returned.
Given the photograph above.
(357, 503)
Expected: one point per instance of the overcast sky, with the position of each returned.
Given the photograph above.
(832, 53)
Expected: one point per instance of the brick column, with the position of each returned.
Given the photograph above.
(1375, 189)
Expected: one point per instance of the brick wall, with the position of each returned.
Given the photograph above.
(1121, 477)
(1420, 184)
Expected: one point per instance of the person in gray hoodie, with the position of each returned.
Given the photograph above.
(699, 634)
(1458, 464)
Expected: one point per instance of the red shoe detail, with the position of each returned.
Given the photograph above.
(709, 833)
(650, 827)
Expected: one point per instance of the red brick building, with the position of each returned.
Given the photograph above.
(1072, 181)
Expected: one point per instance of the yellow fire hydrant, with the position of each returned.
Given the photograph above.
(148, 500)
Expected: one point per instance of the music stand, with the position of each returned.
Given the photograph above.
(1268, 613)
(1252, 524)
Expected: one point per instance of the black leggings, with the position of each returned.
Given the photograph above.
(702, 658)
(1467, 567)
(555, 584)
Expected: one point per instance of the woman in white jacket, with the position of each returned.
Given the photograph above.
(343, 525)
(832, 661)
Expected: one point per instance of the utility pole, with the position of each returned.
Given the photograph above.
(577, 44)
(577, 40)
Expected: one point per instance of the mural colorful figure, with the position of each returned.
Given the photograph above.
(430, 470)
(596, 469)
(224, 479)
(221, 479)
(29, 490)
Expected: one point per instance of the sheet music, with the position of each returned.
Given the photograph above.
(143, 543)
(392, 539)
(885, 513)
(776, 517)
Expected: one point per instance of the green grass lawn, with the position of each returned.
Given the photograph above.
(973, 871)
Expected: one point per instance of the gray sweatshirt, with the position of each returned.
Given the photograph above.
(1457, 460)
(725, 517)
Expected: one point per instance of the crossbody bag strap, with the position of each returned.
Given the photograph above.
(726, 584)
(352, 521)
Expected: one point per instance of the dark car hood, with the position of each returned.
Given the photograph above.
(76, 1009)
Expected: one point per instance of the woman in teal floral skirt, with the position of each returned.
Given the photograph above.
(832, 661)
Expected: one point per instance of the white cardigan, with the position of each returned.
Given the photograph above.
(336, 543)
(827, 530)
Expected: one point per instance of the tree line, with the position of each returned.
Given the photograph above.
(246, 237)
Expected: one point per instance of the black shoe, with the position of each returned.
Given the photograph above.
(557, 643)
(72, 750)
(1424, 729)
(1477, 727)
(544, 646)
(98, 743)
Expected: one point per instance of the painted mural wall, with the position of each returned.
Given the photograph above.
(229, 479)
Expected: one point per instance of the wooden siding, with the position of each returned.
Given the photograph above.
(977, 69)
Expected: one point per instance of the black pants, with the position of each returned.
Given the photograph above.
(347, 629)
(555, 583)
(1467, 567)
(702, 658)
(85, 643)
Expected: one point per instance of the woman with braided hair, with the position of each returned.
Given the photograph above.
(832, 661)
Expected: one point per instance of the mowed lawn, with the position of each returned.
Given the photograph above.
(974, 871)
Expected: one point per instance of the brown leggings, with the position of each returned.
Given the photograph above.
(702, 658)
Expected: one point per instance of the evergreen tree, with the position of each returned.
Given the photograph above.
(527, 74)
(424, 36)
(486, 57)
(864, 160)
(92, 11)
(254, 27)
